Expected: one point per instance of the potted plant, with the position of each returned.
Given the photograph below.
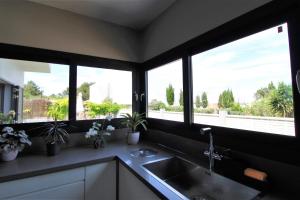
(54, 134)
(133, 122)
(12, 142)
(98, 132)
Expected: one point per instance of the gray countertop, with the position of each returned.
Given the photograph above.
(33, 165)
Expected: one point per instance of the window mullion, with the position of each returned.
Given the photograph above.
(187, 90)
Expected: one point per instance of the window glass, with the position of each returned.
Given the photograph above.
(102, 92)
(165, 94)
(33, 91)
(246, 84)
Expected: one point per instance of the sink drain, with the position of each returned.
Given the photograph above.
(143, 152)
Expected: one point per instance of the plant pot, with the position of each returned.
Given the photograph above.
(52, 149)
(133, 138)
(9, 155)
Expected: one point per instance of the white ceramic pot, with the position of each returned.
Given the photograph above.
(133, 138)
(10, 155)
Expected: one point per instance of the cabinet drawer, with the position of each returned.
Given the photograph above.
(36, 183)
(74, 191)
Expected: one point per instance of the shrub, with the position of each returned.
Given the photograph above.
(58, 109)
(105, 108)
(174, 108)
(157, 105)
(204, 110)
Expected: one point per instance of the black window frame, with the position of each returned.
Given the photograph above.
(158, 65)
(272, 146)
(17, 52)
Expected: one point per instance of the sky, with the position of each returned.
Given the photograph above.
(51, 83)
(243, 66)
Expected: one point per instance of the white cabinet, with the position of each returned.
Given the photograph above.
(94, 182)
(74, 191)
(131, 188)
(40, 183)
(100, 181)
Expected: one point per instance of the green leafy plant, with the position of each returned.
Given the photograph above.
(54, 133)
(11, 140)
(134, 121)
(105, 108)
(58, 110)
(7, 118)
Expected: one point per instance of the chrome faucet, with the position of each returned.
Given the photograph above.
(210, 153)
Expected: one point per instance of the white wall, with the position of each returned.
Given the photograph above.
(30, 24)
(35, 25)
(187, 19)
(14, 76)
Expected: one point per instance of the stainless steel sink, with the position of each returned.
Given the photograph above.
(194, 182)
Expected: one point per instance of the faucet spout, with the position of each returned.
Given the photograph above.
(210, 153)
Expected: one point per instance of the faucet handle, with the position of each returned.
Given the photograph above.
(203, 131)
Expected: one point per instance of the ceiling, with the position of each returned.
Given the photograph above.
(136, 14)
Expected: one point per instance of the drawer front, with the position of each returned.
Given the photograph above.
(74, 191)
(36, 183)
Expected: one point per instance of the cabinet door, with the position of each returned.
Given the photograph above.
(39, 183)
(132, 188)
(100, 181)
(73, 191)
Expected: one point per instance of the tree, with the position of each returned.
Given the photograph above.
(265, 91)
(281, 100)
(170, 95)
(204, 100)
(65, 92)
(85, 90)
(156, 105)
(226, 99)
(31, 89)
(198, 101)
(181, 98)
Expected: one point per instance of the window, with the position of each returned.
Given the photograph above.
(102, 92)
(165, 95)
(33, 91)
(246, 84)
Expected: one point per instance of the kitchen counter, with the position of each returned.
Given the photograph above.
(33, 165)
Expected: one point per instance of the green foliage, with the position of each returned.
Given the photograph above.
(104, 108)
(157, 105)
(170, 95)
(272, 101)
(265, 91)
(174, 108)
(236, 109)
(198, 101)
(204, 110)
(31, 89)
(204, 100)
(259, 108)
(226, 99)
(84, 89)
(58, 110)
(55, 133)
(134, 121)
(11, 140)
(181, 98)
(281, 100)
(7, 118)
